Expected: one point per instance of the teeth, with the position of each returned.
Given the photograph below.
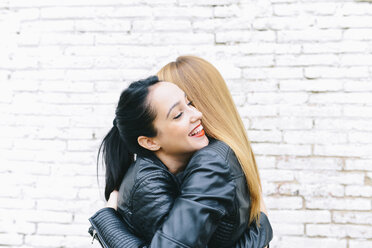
(196, 131)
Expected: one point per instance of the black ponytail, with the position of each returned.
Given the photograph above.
(134, 118)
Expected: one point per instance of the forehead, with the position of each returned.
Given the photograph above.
(163, 95)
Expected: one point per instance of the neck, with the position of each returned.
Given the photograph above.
(174, 163)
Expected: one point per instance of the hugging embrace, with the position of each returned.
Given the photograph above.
(180, 171)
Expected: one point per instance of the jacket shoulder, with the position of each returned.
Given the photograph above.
(215, 148)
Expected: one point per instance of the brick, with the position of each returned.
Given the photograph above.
(283, 229)
(66, 62)
(38, 75)
(281, 149)
(359, 8)
(66, 39)
(43, 216)
(44, 145)
(339, 231)
(320, 8)
(313, 190)
(335, 47)
(340, 98)
(358, 34)
(331, 177)
(283, 23)
(344, 22)
(210, 25)
(314, 137)
(262, 123)
(257, 48)
(314, 35)
(272, 98)
(193, 12)
(161, 25)
(18, 227)
(276, 175)
(287, 48)
(293, 123)
(265, 136)
(300, 216)
(310, 111)
(64, 205)
(256, 61)
(338, 204)
(311, 85)
(286, 9)
(87, 194)
(228, 71)
(358, 111)
(260, 86)
(360, 137)
(44, 240)
(360, 243)
(332, 72)
(346, 217)
(61, 229)
(207, 2)
(306, 60)
(362, 191)
(265, 162)
(52, 192)
(244, 36)
(27, 168)
(292, 242)
(100, 25)
(283, 202)
(277, 73)
(353, 86)
(11, 239)
(226, 11)
(48, 26)
(268, 188)
(312, 164)
(345, 124)
(342, 150)
(257, 110)
(358, 164)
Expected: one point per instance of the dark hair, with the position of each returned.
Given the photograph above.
(134, 118)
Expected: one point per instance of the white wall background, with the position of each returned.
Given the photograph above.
(299, 70)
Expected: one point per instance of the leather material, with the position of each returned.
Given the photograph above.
(207, 205)
(112, 231)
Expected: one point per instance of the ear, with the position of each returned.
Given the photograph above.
(148, 143)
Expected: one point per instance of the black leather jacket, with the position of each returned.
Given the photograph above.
(205, 206)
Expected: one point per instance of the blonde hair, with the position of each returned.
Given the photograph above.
(205, 86)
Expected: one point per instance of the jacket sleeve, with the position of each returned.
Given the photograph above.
(152, 199)
(256, 237)
(207, 194)
(112, 231)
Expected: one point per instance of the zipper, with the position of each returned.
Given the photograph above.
(97, 237)
(94, 235)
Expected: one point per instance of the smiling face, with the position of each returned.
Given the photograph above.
(178, 123)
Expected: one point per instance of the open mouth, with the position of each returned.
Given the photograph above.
(198, 131)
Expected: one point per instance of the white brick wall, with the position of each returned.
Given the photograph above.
(300, 73)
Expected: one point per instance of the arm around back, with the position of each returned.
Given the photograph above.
(207, 194)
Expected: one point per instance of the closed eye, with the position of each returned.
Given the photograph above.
(178, 116)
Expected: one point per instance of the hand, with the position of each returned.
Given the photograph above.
(113, 200)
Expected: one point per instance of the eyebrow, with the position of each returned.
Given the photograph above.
(173, 106)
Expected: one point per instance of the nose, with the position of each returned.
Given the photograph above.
(196, 115)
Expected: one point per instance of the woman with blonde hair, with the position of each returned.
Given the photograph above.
(240, 222)
(205, 86)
